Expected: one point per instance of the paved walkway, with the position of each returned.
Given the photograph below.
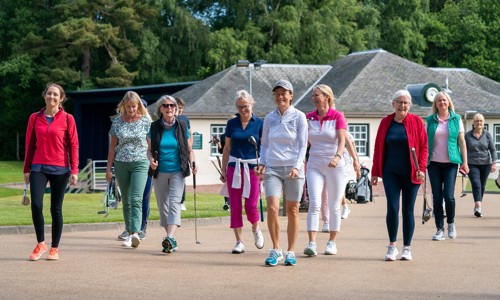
(94, 265)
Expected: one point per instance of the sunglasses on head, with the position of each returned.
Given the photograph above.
(168, 105)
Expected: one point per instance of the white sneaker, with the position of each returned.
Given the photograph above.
(135, 240)
(310, 250)
(452, 231)
(331, 248)
(183, 206)
(239, 248)
(439, 236)
(258, 238)
(345, 212)
(326, 227)
(392, 252)
(406, 254)
(128, 242)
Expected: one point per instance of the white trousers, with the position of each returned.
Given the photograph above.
(319, 174)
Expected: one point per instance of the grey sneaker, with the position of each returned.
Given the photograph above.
(310, 250)
(142, 235)
(406, 254)
(123, 236)
(439, 236)
(452, 231)
(392, 252)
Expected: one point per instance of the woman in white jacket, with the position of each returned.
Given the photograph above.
(283, 149)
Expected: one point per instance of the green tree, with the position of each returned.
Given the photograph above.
(466, 34)
(401, 26)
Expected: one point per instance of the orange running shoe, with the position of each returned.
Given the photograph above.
(40, 249)
(53, 254)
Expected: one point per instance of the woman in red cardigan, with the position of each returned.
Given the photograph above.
(51, 156)
(397, 135)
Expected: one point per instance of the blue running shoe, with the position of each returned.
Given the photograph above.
(275, 256)
(290, 259)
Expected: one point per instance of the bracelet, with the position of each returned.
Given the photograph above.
(340, 157)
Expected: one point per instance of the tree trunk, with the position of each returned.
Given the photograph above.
(86, 63)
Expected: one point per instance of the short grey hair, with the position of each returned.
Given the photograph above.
(162, 100)
(401, 93)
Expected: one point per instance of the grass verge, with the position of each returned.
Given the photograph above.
(83, 208)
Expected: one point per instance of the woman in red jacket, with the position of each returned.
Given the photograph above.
(397, 135)
(51, 156)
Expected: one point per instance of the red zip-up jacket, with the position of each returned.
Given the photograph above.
(54, 144)
(417, 138)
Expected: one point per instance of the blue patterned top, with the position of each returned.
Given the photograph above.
(132, 143)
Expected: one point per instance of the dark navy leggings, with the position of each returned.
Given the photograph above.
(396, 185)
(58, 183)
(442, 177)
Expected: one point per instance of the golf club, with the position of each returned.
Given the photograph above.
(252, 141)
(220, 163)
(217, 168)
(195, 212)
(462, 171)
(426, 212)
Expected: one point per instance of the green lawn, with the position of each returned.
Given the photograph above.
(83, 208)
(11, 171)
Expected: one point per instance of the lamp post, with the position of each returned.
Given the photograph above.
(243, 63)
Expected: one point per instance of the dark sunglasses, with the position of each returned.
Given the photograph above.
(168, 105)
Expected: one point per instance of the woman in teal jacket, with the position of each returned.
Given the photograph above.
(447, 150)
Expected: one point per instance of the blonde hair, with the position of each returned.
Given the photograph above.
(445, 94)
(327, 91)
(133, 97)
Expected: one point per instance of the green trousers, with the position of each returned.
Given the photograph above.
(131, 177)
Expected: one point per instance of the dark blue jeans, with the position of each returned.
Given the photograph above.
(38, 183)
(478, 175)
(442, 177)
(396, 185)
(145, 203)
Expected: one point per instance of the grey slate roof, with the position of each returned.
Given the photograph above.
(214, 96)
(363, 84)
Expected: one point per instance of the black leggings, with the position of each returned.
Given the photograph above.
(58, 183)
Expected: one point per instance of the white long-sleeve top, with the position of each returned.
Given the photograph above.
(284, 139)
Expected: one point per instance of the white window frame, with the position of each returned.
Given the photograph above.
(496, 139)
(361, 133)
(216, 130)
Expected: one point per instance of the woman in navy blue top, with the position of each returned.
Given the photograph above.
(238, 160)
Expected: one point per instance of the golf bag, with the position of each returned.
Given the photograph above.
(364, 187)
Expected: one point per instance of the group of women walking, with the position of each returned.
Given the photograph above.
(271, 151)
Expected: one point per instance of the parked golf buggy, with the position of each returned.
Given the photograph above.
(359, 191)
(112, 196)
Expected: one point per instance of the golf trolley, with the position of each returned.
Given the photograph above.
(112, 196)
